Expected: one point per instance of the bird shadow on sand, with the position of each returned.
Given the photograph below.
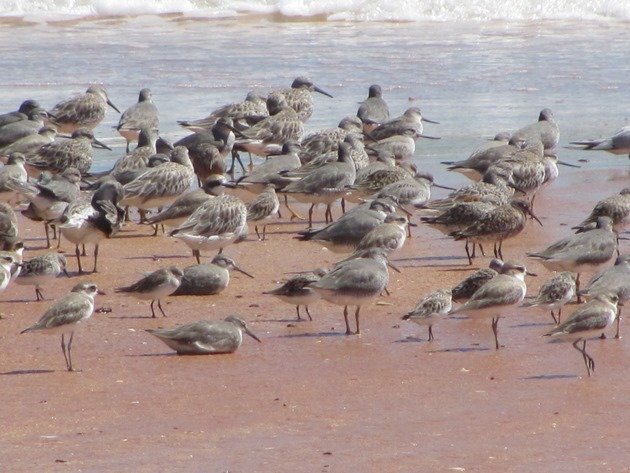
(313, 335)
(533, 324)
(544, 377)
(24, 301)
(20, 372)
(158, 258)
(124, 317)
(143, 355)
(411, 340)
(459, 350)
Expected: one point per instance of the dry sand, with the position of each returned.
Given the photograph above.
(310, 398)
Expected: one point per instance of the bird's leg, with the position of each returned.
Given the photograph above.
(70, 368)
(501, 249)
(47, 234)
(59, 240)
(155, 229)
(257, 234)
(356, 318)
(468, 255)
(310, 215)
(78, 253)
(583, 352)
(556, 320)
(152, 311)
(308, 313)
(160, 307)
(294, 214)
(617, 336)
(38, 294)
(345, 316)
(95, 258)
(297, 309)
(197, 255)
(63, 349)
(577, 288)
(264, 232)
(483, 253)
(431, 332)
(328, 214)
(83, 253)
(495, 330)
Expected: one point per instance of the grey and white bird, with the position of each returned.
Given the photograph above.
(75, 152)
(83, 111)
(616, 206)
(14, 132)
(615, 279)
(590, 249)
(300, 98)
(209, 278)
(92, 218)
(431, 309)
(545, 130)
(155, 286)
(12, 174)
(182, 208)
(619, 143)
(373, 110)
(6, 266)
(297, 291)
(262, 208)
(411, 119)
(40, 270)
(497, 296)
(355, 282)
(30, 144)
(219, 222)
(9, 232)
(206, 337)
(555, 293)
(26, 107)
(323, 142)
(141, 115)
(389, 235)
(66, 315)
(587, 320)
(471, 283)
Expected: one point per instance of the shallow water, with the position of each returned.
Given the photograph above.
(475, 78)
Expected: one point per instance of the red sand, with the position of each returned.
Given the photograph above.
(310, 398)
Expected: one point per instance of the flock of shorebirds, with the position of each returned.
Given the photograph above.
(366, 160)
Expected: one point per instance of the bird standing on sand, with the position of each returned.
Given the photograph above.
(84, 111)
(297, 291)
(66, 315)
(154, 286)
(555, 293)
(430, 309)
(141, 115)
(40, 270)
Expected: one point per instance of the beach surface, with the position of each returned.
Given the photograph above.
(310, 398)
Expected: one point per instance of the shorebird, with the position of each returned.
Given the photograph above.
(14, 251)
(75, 152)
(345, 233)
(374, 177)
(50, 196)
(400, 147)
(243, 114)
(410, 120)
(545, 130)
(499, 224)
(66, 315)
(12, 174)
(326, 184)
(41, 270)
(182, 208)
(205, 337)
(209, 278)
(84, 111)
(615, 279)
(374, 110)
(6, 265)
(139, 157)
(389, 235)
(430, 309)
(13, 132)
(480, 160)
(587, 320)
(324, 142)
(470, 284)
(219, 222)
(91, 219)
(271, 171)
(593, 249)
(619, 143)
(492, 299)
(26, 107)
(155, 286)
(30, 144)
(161, 185)
(354, 281)
(9, 233)
(617, 207)
(297, 291)
(299, 97)
(283, 124)
(555, 293)
(414, 191)
(263, 207)
(141, 115)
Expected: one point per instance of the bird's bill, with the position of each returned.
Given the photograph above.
(323, 92)
(429, 121)
(109, 102)
(243, 271)
(429, 137)
(102, 293)
(531, 213)
(440, 186)
(393, 267)
(251, 334)
(100, 144)
(66, 273)
(570, 165)
(529, 273)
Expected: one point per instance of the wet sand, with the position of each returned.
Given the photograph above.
(310, 398)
